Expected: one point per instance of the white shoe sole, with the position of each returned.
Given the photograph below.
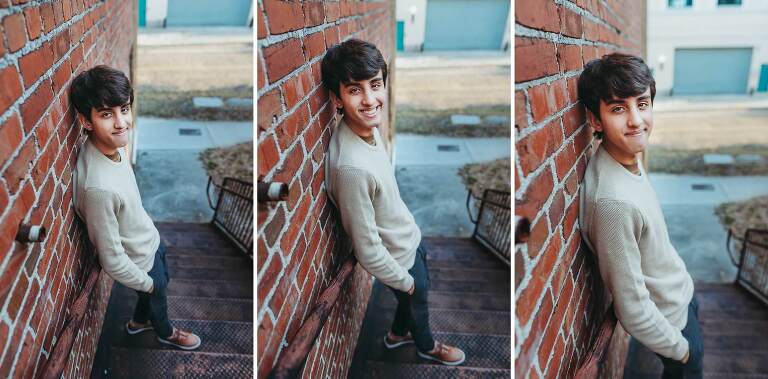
(137, 331)
(396, 344)
(182, 347)
(456, 363)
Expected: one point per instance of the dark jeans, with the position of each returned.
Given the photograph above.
(154, 306)
(412, 312)
(693, 369)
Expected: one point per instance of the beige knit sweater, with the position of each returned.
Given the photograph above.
(107, 199)
(622, 222)
(361, 182)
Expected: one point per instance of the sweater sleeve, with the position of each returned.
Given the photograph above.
(100, 210)
(355, 191)
(617, 229)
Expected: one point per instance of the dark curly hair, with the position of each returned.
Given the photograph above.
(613, 76)
(350, 60)
(100, 87)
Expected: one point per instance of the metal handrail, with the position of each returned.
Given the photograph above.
(233, 212)
(290, 363)
(493, 232)
(57, 361)
(751, 274)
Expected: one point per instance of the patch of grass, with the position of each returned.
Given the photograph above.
(178, 104)
(683, 161)
(742, 215)
(232, 161)
(437, 121)
(478, 177)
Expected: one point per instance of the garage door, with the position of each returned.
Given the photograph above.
(711, 71)
(208, 12)
(465, 24)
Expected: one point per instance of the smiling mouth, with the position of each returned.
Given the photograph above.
(120, 133)
(370, 112)
(636, 132)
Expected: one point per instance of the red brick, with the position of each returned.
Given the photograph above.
(521, 115)
(19, 167)
(270, 108)
(268, 155)
(571, 216)
(260, 23)
(331, 36)
(61, 44)
(534, 149)
(17, 296)
(570, 23)
(282, 58)
(290, 128)
(283, 16)
(332, 11)
(261, 77)
(11, 87)
(537, 14)
(275, 226)
(58, 12)
(314, 13)
(564, 161)
(267, 279)
(536, 194)
(554, 366)
(296, 88)
(530, 295)
(34, 22)
(529, 345)
(534, 58)
(556, 209)
(314, 45)
(66, 8)
(61, 76)
(15, 31)
(318, 100)
(570, 57)
(36, 105)
(34, 64)
(573, 119)
(539, 235)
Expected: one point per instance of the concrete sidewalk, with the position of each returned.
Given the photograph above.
(429, 182)
(180, 36)
(169, 173)
(694, 229)
(461, 58)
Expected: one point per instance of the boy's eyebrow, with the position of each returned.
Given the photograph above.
(615, 101)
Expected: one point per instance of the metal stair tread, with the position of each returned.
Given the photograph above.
(232, 337)
(488, 351)
(387, 370)
(149, 363)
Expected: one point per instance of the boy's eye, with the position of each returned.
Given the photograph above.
(106, 114)
(617, 110)
(354, 91)
(376, 85)
(125, 109)
(643, 105)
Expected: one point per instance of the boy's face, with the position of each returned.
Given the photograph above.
(109, 127)
(363, 103)
(626, 124)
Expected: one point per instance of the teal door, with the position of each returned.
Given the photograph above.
(208, 12)
(711, 71)
(763, 85)
(142, 12)
(400, 37)
(465, 24)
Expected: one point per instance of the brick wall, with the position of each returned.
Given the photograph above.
(553, 274)
(300, 241)
(44, 45)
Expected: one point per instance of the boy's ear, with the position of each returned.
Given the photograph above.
(84, 121)
(337, 105)
(594, 121)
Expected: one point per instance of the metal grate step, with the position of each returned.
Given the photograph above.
(211, 288)
(460, 301)
(486, 351)
(149, 363)
(381, 370)
(228, 337)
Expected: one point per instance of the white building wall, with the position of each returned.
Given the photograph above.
(157, 11)
(414, 15)
(705, 25)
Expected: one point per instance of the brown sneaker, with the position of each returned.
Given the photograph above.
(133, 327)
(392, 341)
(181, 339)
(445, 354)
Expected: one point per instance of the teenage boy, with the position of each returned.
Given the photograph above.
(361, 182)
(622, 222)
(107, 199)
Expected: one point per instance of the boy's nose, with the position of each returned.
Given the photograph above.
(634, 118)
(123, 122)
(368, 98)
